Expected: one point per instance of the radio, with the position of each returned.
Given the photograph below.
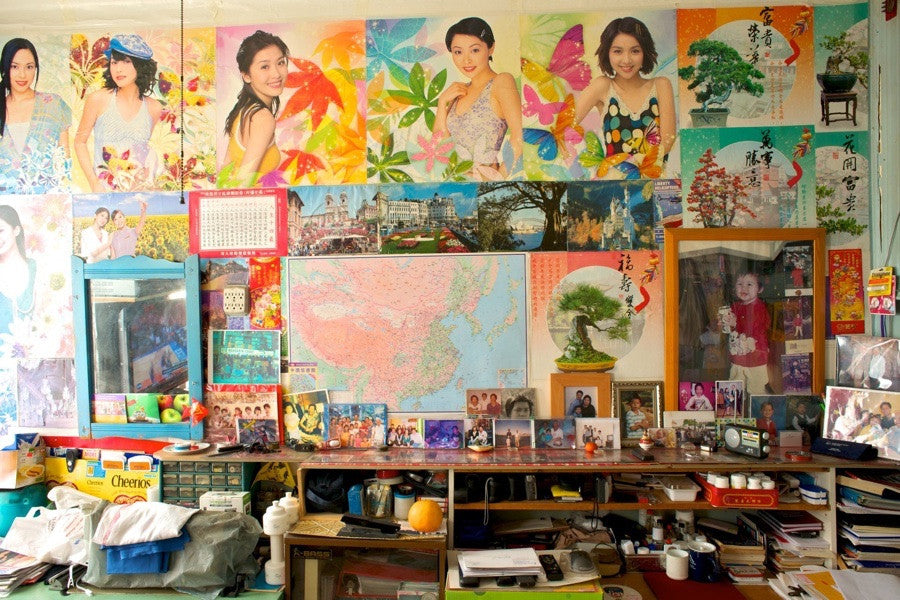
(749, 441)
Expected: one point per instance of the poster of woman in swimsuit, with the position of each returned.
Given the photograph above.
(599, 96)
(443, 100)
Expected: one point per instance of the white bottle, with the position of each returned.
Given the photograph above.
(291, 506)
(275, 525)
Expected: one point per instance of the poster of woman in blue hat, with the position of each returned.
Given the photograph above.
(121, 117)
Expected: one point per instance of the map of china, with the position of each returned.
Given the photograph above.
(412, 332)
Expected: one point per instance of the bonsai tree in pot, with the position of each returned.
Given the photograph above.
(719, 71)
(847, 64)
(593, 310)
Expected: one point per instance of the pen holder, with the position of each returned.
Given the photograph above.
(378, 500)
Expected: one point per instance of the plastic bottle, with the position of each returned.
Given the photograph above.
(291, 506)
(275, 525)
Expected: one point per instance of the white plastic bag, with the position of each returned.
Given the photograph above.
(53, 536)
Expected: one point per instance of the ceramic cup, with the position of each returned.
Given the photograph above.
(677, 563)
(703, 566)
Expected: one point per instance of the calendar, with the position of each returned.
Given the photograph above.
(227, 223)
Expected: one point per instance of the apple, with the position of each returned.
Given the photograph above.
(170, 415)
(165, 401)
(181, 401)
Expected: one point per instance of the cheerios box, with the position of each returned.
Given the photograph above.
(21, 460)
(117, 476)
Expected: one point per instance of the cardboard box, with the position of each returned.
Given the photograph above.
(125, 485)
(21, 460)
(223, 501)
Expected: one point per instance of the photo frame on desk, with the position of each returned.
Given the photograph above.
(718, 331)
(624, 395)
(564, 388)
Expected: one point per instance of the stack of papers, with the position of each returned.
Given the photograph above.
(869, 520)
(499, 563)
(16, 569)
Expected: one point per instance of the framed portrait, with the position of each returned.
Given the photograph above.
(638, 405)
(737, 301)
(864, 416)
(868, 362)
(590, 391)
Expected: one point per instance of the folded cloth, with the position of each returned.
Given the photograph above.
(123, 524)
(143, 557)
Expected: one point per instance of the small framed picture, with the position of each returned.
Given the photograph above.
(579, 395)
(770, 412)
(864, 416)
(696, 395)
(868, 362)
(603, 432)
(804, 413)
(513, 434)
(554, 433)
(638, 405)
(729, 398)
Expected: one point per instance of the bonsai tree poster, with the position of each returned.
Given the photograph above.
(584, 117)
(596, 308)
(842, 183)
(751, 66)
(748, 177)
(842, 64)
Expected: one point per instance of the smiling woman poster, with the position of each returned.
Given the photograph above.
(290, 110)
(443, 102)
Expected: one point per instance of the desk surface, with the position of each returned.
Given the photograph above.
(39, 591)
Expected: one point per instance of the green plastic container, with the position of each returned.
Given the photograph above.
(17, 503)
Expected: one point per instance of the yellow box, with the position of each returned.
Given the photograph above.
(121, 486)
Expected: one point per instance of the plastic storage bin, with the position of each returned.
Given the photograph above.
(17, 503)
(680, 488)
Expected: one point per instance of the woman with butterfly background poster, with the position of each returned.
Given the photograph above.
(564, 137)
(638, 113)
(478, 114)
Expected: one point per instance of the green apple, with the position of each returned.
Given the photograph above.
(181, 402)
(170, 415)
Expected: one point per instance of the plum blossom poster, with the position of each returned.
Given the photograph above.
(775, 46)
(632, 277)
(558, 64)
(408, 67)
(153, 164)
(768, 174)
(319, 128)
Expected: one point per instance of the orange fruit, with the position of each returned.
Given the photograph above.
(590, 447)
(425, 516)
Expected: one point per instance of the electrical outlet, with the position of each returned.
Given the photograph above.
(236, 300)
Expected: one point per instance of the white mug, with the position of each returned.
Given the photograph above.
(677, 563)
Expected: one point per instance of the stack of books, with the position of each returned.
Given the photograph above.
(792, 538)
(869, 520)
(736, 546)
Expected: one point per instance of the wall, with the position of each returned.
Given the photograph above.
(66, 16)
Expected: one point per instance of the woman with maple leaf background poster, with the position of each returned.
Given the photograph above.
(263, 62)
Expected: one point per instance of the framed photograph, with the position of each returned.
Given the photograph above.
(864, 416)
(730, 398)
(696, 395)
(804, 413)
(732, 301)
(444, 433)
(249, 357)
(357, 425)
(518, 403)
(603, 432)
(638, 405)
(406, 431)
(479, 431)
(568, 391)
(868, 362)
(513, 434)
(554, 433)
(483, 401)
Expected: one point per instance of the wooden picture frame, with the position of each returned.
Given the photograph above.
(564, 386)
(702, 337)
(649, 393)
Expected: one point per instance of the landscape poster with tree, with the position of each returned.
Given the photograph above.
(842, 189)
(748, 177)
(842, 54)
(751, 65)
